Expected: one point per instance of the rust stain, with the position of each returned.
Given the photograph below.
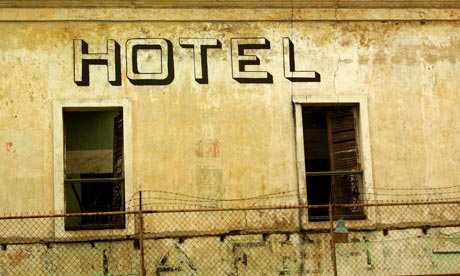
(9, 147)
(17, 257)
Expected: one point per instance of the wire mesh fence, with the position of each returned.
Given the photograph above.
(393, 238)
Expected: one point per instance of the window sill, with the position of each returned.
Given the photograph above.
(337, 217)
(94, 227)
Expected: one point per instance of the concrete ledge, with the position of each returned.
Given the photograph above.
(225, 14)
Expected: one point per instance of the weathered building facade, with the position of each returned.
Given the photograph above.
(230, 104)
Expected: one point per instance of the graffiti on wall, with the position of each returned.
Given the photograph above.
(243, 64)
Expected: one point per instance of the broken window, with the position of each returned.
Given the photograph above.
(332, 164)
(93, 165)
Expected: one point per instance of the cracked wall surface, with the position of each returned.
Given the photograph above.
(228, 140)
(408, 72)
(399, 252)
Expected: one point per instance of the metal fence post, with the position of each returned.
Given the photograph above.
(331, 222)
(141, 235)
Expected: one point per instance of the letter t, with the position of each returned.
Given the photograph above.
(200, 58)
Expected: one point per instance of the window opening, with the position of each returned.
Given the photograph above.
(332, 164)
(93, 165)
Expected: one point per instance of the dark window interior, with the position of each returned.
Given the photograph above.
(94, 168)
(330, 147)
(96, 197)
(316, 158)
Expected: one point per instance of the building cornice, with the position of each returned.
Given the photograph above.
(233, 4)
(228, 10)
(227, 14)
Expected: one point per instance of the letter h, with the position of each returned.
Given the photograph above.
(83, 59)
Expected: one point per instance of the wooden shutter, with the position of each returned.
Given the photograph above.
(118, 170)
(118, 145)
(344, 147)
(344, 156)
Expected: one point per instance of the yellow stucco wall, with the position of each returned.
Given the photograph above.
(406, 70)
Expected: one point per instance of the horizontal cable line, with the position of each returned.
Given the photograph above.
(205, 199)
(172, 205)
(408, 201)
(294, 192)
(286, 194)
(409, 194)
(413, 189)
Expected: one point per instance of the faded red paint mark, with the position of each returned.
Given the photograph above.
(17, 257)
(208, 148)
(9, 147)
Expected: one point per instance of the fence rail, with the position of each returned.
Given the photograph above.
(395, 238)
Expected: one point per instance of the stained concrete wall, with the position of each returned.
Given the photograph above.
(408, 252)
(226, 139)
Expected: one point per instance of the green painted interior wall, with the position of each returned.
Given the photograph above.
(89, 130)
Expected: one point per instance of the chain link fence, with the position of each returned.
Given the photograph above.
(393, 238)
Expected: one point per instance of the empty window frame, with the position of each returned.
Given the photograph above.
(333, 170)
(94, 167)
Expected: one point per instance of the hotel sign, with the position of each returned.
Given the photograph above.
(242, 63)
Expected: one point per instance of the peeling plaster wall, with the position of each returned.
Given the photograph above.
(228, 140)
(402, 252)
(407, 70)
